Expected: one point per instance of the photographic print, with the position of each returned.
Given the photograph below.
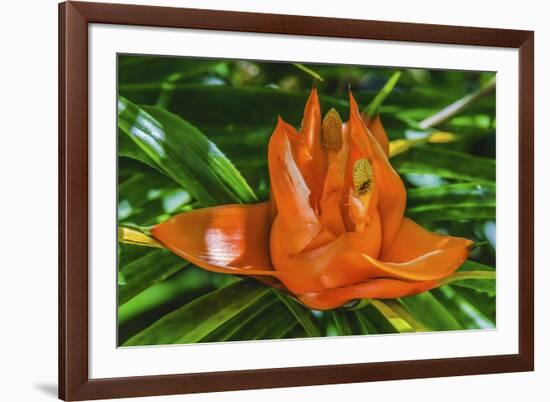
(274, 200)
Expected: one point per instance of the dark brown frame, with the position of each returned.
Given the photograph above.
(74, 382)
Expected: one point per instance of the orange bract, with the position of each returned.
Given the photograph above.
(334, 228)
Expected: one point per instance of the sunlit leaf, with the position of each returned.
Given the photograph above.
(301, 313)
(231, 328)
(482, 301)
(183, 153)
(376, 319)
(200, 317)
(467, 313)
(482, 285)
(430, 311)
(162, 298)
(398, 316)
(142, 273)
(274, 322)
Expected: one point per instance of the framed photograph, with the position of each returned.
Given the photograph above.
(259, 200)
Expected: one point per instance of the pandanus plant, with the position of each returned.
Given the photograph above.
(334, 229)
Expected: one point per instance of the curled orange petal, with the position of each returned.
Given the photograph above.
(351, 266)
(371, 289)
(336, 261)
(295, 215)
(389, 187)
(360, 152)
(315, 168)
(230, 239)
(374, 124)
(413, 241)
(331, 215)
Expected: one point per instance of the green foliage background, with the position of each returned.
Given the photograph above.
(194, 133)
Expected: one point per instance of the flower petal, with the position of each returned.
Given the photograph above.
(315, 168)
(372, 289)
(413, 241)
(391, 191)
(359, 149)
(229, 239)
(334, 262)
(331, 215)
(415, 255)
(433, 265)
(374, 124)
(297, 219)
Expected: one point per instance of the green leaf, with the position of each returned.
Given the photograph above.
(301, 313)
(398, 316)
(487, 285)
(468, 314)
(452, 202)
(447, 164)
(365, 326)
(231, 328)
(427, 309)
(442, 212)
(470, 265)
(296, 332)
(183, 153)
(139, 69)
(195, 320)
(482, 301)
(308, 71)
(278, 328)
(255, 106)
(373, 108)
(161, 298)
(129, 149)
(376, 319)
(142, 273)
(275, 321)
(340, 322)
(224, 107)
(149, 193)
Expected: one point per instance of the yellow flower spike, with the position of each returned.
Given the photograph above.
(363, 177)
(360, 198)
(331, 134)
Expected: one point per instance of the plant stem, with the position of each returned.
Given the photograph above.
(309, 71)
(374, 107)
(479, 244)
(457, 107)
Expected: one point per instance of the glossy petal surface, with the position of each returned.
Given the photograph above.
(229, 239)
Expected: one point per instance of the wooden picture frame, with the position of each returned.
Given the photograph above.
(74, 381)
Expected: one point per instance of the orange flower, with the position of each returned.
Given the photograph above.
(334, 228)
